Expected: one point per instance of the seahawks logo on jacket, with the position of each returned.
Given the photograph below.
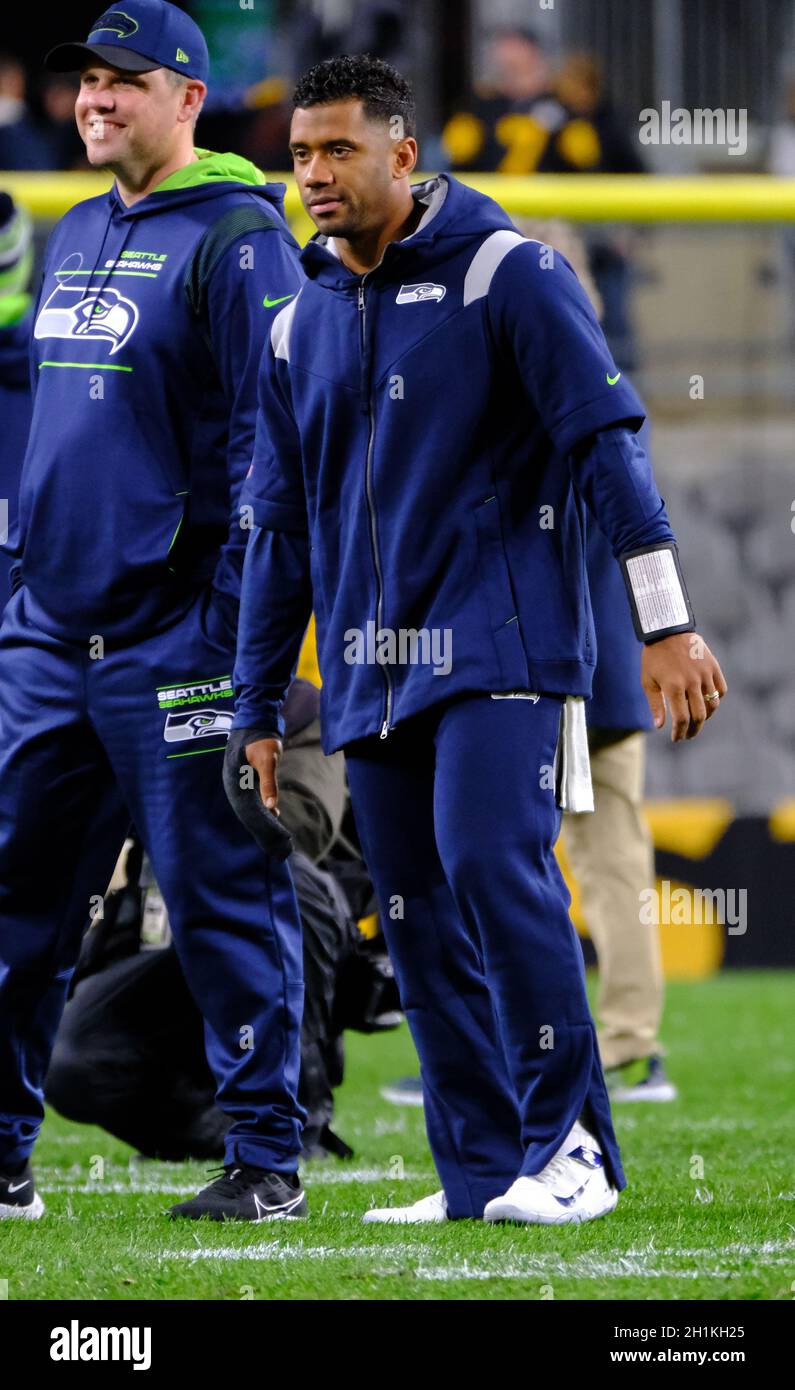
(114, 22)
(181, 727)
(87, 311)
(417, 294)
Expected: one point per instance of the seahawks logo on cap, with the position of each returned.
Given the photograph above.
(114, 22)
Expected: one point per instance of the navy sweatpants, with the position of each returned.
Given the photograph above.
(86, 745)
(458, 830)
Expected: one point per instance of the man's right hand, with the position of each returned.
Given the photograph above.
(264, 754)
(250, 752)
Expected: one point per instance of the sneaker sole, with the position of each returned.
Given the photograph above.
(509, 1212)
(371, 1219)
(401, 1097)
(658, 1095)
(31, 1212)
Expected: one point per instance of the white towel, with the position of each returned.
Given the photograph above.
(572, 763)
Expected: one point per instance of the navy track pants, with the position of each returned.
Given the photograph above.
(86, 745)
(458, 824)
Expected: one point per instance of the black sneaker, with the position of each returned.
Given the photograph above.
(242, 1193)
(18, 1195)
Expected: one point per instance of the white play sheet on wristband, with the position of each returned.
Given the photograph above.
(657, 590)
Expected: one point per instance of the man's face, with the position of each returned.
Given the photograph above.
(343, 164)
(519, 67)
(127, 117)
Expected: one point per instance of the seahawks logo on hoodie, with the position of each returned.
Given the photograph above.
(87, 311)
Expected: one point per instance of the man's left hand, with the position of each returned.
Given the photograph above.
(681, 672)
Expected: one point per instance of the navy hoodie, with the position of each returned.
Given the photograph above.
(149, 328)
(422, 463)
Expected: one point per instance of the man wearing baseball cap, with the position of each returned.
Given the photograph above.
(116, 649)
(145, 35)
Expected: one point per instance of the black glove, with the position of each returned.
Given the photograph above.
(246, 802)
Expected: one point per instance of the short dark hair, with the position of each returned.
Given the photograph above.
(382, 90)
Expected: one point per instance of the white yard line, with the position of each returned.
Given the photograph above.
(166, 1181)
(386, 1260)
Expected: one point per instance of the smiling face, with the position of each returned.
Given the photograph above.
(349, 168)
(131, 120)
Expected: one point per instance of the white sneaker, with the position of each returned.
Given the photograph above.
(433, 1208)
(572, 1187)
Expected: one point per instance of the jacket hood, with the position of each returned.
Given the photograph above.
(456, 214)
(211, 175)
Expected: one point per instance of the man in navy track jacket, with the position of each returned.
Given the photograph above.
(116, 650)
(438, 405)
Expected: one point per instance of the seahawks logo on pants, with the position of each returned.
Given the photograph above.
(180, 728)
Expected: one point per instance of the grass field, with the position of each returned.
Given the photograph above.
(729, 1234)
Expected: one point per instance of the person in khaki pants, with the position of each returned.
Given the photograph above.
(611, 856)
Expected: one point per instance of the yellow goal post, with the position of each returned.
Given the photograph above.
(643, 198)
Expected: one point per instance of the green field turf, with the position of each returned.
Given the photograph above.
(727, 1235)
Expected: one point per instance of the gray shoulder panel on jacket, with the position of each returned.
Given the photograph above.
(487, 259)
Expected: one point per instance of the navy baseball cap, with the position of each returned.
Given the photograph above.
(139, 36)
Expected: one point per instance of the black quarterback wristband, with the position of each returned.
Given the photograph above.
(657, 592)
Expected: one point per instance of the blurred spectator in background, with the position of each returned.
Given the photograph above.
(265, 136)
(522, 119)
(506, 123)
(781, 157)
(23, 144)
(323, 28)
(595, 141)
(58, 94)
(256, 123)
(16, 315)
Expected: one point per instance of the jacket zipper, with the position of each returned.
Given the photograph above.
(368, 487)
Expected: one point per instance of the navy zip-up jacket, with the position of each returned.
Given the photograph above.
(427, 437)
(149, 328)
